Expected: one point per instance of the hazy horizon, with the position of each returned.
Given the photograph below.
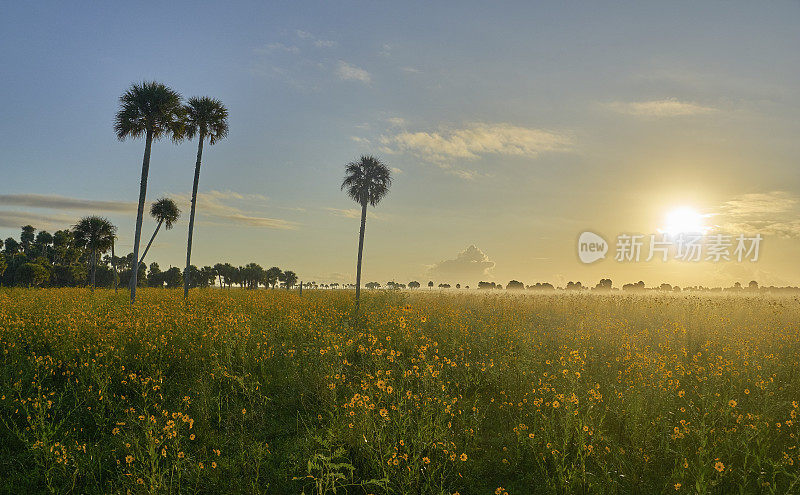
(602, 119)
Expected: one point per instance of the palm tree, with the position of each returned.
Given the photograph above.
(166, 212)
(152, 110)
(367, 181)
(207, 118)
(97, 235)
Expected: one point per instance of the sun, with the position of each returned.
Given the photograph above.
(684, 220)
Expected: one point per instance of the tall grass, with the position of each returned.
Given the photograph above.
(268, 392)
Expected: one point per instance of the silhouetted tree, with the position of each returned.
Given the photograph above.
(515, 285)
(413, 284)
(289, 278)
(27, 237)
(152, 110)
(96, 234)
(273, 275)
(173, 277)
(206, 118)
(604, 284)
(166, 212)
(367, 181)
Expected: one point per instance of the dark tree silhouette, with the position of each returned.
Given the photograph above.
(96, 234)
(154, 111)
(367, 181)
(206, 118)
(165, 212)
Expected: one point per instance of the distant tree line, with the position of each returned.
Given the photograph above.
(69, 258)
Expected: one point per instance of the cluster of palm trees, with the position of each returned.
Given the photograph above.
(154, 111)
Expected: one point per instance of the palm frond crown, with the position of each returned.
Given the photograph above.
(165, 210)
(367, 180)
(150, 106)
(207, 117)
(95, 233)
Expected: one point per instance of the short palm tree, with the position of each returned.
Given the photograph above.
(165, 212)
(152, 110)
(206, 118)
(367, 181)
(96, 234)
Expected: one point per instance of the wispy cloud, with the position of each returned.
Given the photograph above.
(772, 213)
(349, 72)
(760, 203)
(272, 223)
(467, 174)
(16, 219)
(352, 213)
(318, 42)
(57, 202)
(478, 139)
(276, 47)
(669, 107)
(218, 205)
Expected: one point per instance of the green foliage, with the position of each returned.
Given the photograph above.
(32, 275)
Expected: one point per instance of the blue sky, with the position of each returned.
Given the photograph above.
(513, 127)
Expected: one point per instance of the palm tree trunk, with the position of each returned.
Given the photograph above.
(360, 251)
(114, 264)
(140, 213)
(191, 214)
(151, 241)
(94, 266)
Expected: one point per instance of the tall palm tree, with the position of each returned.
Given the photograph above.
(367, 181)
(97, 235)
(165, 212)
(206, 118)
(152, 110)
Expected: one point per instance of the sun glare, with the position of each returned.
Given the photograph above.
(684, 220)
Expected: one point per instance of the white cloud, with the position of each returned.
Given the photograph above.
(478, 139)
(669, 107)
(469, 266)
(348, 72)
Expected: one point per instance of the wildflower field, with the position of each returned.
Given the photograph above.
(267, 391)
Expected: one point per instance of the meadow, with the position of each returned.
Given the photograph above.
(270, 391)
